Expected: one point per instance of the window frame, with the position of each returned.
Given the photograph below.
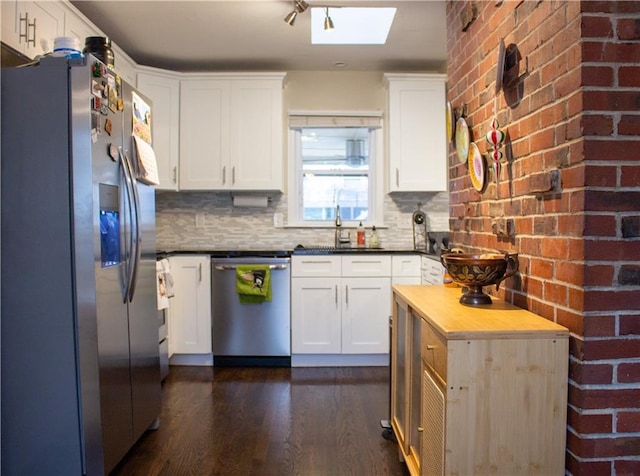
(376, 168)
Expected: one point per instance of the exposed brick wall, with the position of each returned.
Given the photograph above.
(570, 188)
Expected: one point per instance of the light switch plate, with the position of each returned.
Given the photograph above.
(278, 220)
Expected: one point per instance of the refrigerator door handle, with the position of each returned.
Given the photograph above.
(135, 204)
(126, 172)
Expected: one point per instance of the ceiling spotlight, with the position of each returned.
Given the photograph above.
(300, 5)
(328, 23)
(291, 17)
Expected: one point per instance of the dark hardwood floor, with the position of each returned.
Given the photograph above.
(269, 421)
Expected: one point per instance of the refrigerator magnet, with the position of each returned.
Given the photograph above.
(108, 126)
(113, 152)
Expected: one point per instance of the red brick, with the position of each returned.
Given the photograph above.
(596, 399)
(576, 249)
(576, 298)
(591, 374)
(573, 176)
(612, 100)
(572, 320)
(599, 225)
(628, 422)
(597, 76)
(630, 176)
(621, 250)
(629, 373)
(554, 248)
(585, 467)
(629, 125)
(600, 275)
(630, 324)
(542, 268)
(555, 293)
(624, 467)
(612, 301)
(610, 149)
(611, 349)
(589, 423)
(611, 447)
(612, 201)
(570, 272)
(597, 125)
(571, 225)
(609, 52)
(629, 28)
(599, 326)
(600, 6)
(601, 175)
(628, 75)
(596, 27)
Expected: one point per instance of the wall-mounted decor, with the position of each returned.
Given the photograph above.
(468, 15)
(449, 122)
(477, 167)
(495, 137)
(500, 65)
(462, 139)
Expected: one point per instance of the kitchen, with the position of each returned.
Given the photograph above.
(471, 219)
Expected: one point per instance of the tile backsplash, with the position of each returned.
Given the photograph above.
(208, 221)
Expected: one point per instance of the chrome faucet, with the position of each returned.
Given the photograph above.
(341, 240)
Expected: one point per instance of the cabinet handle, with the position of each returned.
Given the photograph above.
(420, 429)
(431, 347)
(27, 27)
(336, 295)
(233, 175)
(346, 294)
(200, 273)
(397, 177)
(224, 175)
(175, 174)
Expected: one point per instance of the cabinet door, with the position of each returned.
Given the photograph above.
(366, 305)
(433, 434)
(164, 92)
(256, 135)
(399, 372)
(30, 27)
(315, 315)
(417, 138)
(204, 135)
(190, 308)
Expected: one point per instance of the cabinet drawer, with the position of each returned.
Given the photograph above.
(366, 266)
(405, 265)
(315, 266)
(434, 350)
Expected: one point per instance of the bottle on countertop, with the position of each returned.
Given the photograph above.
(360, 235)
(374, 242)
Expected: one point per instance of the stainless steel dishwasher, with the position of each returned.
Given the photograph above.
(251, 334)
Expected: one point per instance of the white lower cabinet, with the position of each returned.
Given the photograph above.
(432, 271)
(189, 313)
(406, 269)
(340, 304)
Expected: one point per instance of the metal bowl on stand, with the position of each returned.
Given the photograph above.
(475, 271)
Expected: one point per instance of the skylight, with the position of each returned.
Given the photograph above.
(353, 26)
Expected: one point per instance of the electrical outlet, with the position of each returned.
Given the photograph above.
(199, 220)
(278, 220)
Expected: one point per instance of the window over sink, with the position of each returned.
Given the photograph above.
(335, 159)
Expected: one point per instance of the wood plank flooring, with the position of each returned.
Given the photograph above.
(269, 421)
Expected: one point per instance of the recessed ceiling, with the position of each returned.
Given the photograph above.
(217, 35)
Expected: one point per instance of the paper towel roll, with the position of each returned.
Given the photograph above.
(250, 201)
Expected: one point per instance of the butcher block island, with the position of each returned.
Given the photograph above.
(476, 389)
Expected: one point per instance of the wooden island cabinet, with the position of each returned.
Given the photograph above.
(476, 389)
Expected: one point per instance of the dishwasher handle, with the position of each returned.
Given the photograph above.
(231, 267)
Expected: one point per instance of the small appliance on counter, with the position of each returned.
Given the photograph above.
(420, 234)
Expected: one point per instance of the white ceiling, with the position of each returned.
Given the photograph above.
(237, 35)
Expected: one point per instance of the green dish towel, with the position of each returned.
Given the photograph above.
(253, 283)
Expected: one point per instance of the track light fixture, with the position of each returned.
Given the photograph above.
(299, 6)
(328, 23)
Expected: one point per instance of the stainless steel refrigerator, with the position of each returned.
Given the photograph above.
(80, 366)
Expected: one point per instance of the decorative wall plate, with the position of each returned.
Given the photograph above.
(477, 167)
(500, 66)
(449, 122)
(462, 139)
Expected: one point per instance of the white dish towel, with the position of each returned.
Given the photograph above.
(164, 282)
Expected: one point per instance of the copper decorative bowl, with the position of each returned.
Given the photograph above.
(477, 270)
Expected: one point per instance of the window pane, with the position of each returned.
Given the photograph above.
(335, 169)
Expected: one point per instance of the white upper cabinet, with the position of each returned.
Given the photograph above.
(163, 89)
(231, 129)
(30, 27)
(417, 147)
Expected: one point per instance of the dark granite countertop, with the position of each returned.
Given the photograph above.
(296, 251)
